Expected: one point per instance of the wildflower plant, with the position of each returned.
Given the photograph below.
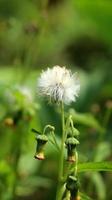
(60, 86)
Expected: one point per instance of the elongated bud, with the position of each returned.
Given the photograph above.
(71, 144)
(41, 142)
(73, 186)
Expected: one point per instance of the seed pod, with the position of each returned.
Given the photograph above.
(71, 144)
(41, 142)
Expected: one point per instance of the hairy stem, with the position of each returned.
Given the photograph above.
(61, 160)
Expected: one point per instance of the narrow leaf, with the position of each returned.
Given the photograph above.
(95, 166)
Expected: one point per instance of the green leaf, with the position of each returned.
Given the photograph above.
(99, 183)
(95, 166)
(102, 147)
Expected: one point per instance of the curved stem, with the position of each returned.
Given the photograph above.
(54, 141)
(48, 126)
(61, 160)
(62, 143)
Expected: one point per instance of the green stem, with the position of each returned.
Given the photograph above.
(55, 141)
(61, 160)
(48, 126)
(76, 163)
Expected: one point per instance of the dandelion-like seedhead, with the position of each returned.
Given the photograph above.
(59, 84)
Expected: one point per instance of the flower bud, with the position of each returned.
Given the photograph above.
(73, 186)
(75, 132)
(72, 133)
(69, 133)
(41, 142)
(71, 144)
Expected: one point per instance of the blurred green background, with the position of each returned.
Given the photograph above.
(34, 35)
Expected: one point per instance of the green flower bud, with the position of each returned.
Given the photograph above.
(71, 144)
(72, 133)
(75, 132)
(73, 186)
(41, 142)
(69, 133)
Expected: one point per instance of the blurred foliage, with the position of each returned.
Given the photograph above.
(35, 34)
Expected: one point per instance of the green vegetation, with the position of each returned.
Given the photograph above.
(34, 35)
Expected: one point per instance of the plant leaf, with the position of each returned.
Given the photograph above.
(95, 166)
(102, 147)
(99, 183)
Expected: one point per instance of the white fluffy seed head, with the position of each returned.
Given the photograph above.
(59, 84)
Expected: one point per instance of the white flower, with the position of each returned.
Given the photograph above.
(59, 84)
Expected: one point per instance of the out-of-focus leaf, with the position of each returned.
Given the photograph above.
(86, 119)
(84, 196)
(28, 186)
(27, 164)
(4, 167)
(95, 166)
(99, 185)
(6, 178)
(102, 151)
(99, 14)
